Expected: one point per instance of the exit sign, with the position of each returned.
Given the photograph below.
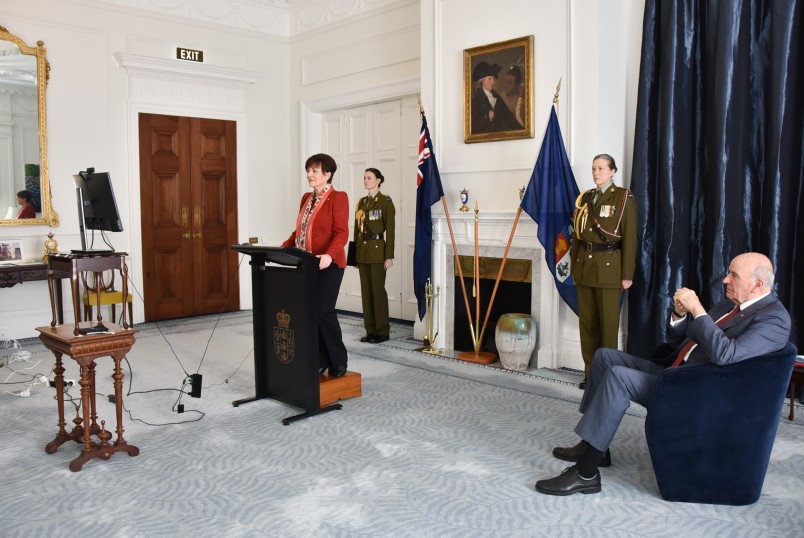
(189, 54)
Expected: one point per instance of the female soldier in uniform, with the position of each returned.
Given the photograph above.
(603, 257)
(374, 245)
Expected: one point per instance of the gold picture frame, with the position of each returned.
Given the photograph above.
(483, 68)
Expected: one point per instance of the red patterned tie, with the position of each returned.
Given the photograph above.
(692, 343)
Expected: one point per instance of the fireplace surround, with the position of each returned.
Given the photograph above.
(493, 236)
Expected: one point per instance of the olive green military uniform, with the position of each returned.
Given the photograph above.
(603, 255)
(374, 242)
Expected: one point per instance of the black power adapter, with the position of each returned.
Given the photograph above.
(195, 389)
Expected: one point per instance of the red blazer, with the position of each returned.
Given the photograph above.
(328, 226)
(27, 212)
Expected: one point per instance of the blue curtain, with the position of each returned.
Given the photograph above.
(718, 167)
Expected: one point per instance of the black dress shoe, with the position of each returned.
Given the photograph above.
(367, 338)
(321, 370)
(574, 454)
(340, 371)
(378, 338)
(582, 384)
(569, 482)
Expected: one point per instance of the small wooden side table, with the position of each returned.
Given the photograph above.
(84, 349)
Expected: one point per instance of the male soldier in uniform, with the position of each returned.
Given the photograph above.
(603, 258)
(374, 242)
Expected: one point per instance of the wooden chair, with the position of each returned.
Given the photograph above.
(109, 296)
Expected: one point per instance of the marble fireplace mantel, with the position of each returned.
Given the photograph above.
(494, 230)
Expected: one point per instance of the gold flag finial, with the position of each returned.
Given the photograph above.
(555, 97)
(421, 107)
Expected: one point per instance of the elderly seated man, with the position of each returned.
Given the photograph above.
(748, 323)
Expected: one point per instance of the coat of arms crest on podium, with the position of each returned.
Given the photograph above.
(284, 338)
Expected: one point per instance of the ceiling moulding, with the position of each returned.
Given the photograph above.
(268, 17)
(306, 15)
(281, 18)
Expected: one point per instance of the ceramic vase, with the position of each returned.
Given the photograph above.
(515, 337)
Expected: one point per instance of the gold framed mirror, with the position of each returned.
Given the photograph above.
(24, 74)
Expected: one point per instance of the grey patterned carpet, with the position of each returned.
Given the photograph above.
(434, 447)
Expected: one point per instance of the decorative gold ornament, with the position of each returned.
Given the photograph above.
(51, 247)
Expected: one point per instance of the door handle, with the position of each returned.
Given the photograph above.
(197, 235)
(186, 235)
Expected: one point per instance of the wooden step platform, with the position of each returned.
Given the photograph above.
(332, 389)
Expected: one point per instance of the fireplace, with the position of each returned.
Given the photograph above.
(512, 296)
(493, 238)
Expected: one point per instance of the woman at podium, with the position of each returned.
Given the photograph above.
(322, 228)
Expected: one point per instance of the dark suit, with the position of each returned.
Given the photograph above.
(617, 378)
(488, 119)
(327, 233)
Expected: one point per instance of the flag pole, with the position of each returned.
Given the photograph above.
(502, 266)
(476, 356)
(555, 97)
(510, 239)
(476, 284)
(460, 270)
(454, 249)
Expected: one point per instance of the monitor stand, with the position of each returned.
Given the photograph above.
(84, 251)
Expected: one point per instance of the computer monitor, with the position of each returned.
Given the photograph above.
(97, 208)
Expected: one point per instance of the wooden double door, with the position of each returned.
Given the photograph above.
(188, 198)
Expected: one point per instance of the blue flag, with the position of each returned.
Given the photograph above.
(550, 201)
(428, 192)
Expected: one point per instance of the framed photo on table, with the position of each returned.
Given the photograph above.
(498, 91)
(10, 251)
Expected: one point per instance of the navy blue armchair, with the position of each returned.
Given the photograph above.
(710, 429)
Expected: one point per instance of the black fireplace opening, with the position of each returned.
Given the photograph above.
(511, 297)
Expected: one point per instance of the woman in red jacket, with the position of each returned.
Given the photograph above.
(25, 199)
(322, 228)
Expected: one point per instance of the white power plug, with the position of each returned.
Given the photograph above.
(44, 379)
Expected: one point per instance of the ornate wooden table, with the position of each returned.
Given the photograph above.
(12, 274)
(84, 349)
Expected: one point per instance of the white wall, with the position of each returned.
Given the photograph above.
(88, 122)
(362, 60)
(592, 46)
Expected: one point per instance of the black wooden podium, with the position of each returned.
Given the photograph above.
(284, 289)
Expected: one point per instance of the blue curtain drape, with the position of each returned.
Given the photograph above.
(718, 167)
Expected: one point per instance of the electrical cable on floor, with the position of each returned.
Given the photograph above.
(158, 328)
(36, 380)
(223, 309)
(226, 380)
(173, 408)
